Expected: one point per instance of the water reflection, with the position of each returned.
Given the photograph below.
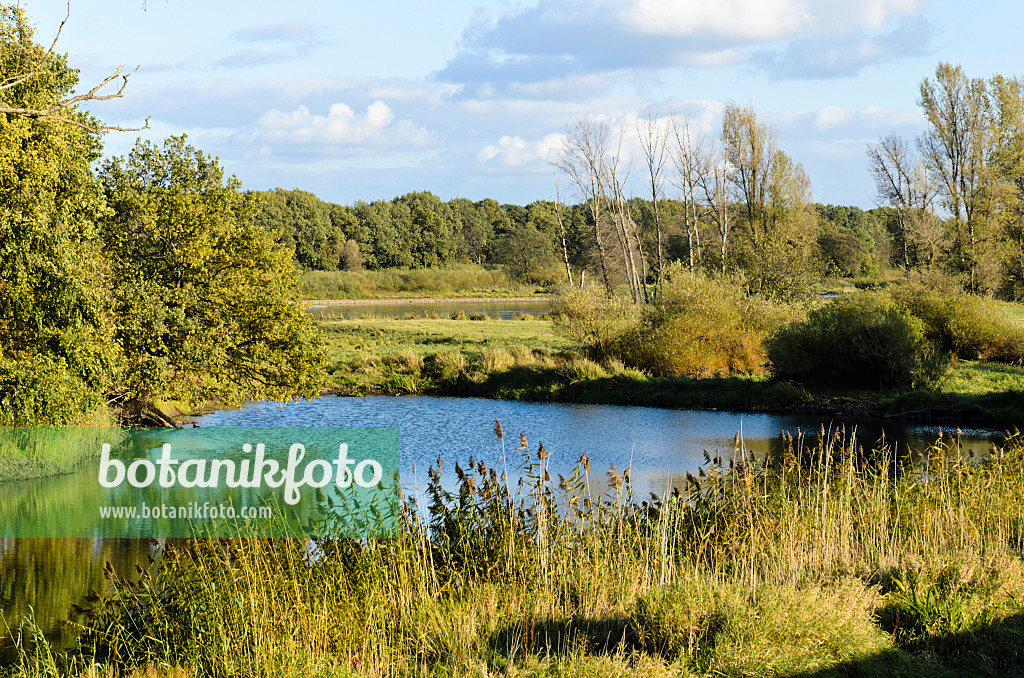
(47, 578)
(659, 444)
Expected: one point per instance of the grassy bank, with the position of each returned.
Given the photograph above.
(818, 562)
(459, 280)
(527, 360)
(37, 452)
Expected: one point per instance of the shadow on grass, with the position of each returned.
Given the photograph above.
(995, 649)
(565, 638)
(991, 649)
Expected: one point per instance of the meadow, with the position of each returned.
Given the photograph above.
(528, 360)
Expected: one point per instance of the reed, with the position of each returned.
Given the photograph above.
(827, 556)
(457, 280)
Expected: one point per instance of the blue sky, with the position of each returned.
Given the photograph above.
(368, 100)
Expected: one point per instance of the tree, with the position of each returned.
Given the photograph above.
(750, 148)
(654, 145)
(302, 222)
(525, 252)
(776, 193)
(56, 339)
(202, 293)
(583, 161)
(472, 231)
(903, 183)
(714, 183)
(351, 259)
(692, 163)
(561, 234)
(955, 148)
(1007, 97)
(432, 241)
(25, 63)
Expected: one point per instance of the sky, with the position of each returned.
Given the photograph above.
(464, 98)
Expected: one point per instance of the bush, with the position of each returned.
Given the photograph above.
(866, 340)
(593, 319)
(699, 327)
(960, 324)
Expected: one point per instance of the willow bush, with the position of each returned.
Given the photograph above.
(862, 341)
(699, 326)
(963, 325)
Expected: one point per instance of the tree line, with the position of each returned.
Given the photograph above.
(737, 205)
(545, 241)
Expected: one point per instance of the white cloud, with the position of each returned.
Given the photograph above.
(558, 39)
(743, 20)
(516, 151)
(832, 116)
(830, 119)
(760, 21)
(340, 127)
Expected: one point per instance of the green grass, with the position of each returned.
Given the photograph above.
(816, 562)
(1015, 312)
(36, 452)
(527, 360)
(459, 280)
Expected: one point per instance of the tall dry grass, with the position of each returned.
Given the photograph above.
(825, 555)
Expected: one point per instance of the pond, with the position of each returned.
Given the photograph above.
(51, 575)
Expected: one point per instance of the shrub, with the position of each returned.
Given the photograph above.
(699, 327)
(960, 324)
(593, 319)
(865, 341)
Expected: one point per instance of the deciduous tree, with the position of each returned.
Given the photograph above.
(203, 295)
(56, 340)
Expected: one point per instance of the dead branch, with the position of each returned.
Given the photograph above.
(56, 111)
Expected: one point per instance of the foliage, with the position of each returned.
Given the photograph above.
(696, 328)
(963, 325)
(851, 242)
(594, 319)
(302, 222)
(56, 342)
(866, 340)
(527, 256)
(203, 295)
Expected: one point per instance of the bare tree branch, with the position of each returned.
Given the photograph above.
(57, 111)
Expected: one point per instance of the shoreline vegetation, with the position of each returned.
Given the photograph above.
(526, 359)
(823, 560)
